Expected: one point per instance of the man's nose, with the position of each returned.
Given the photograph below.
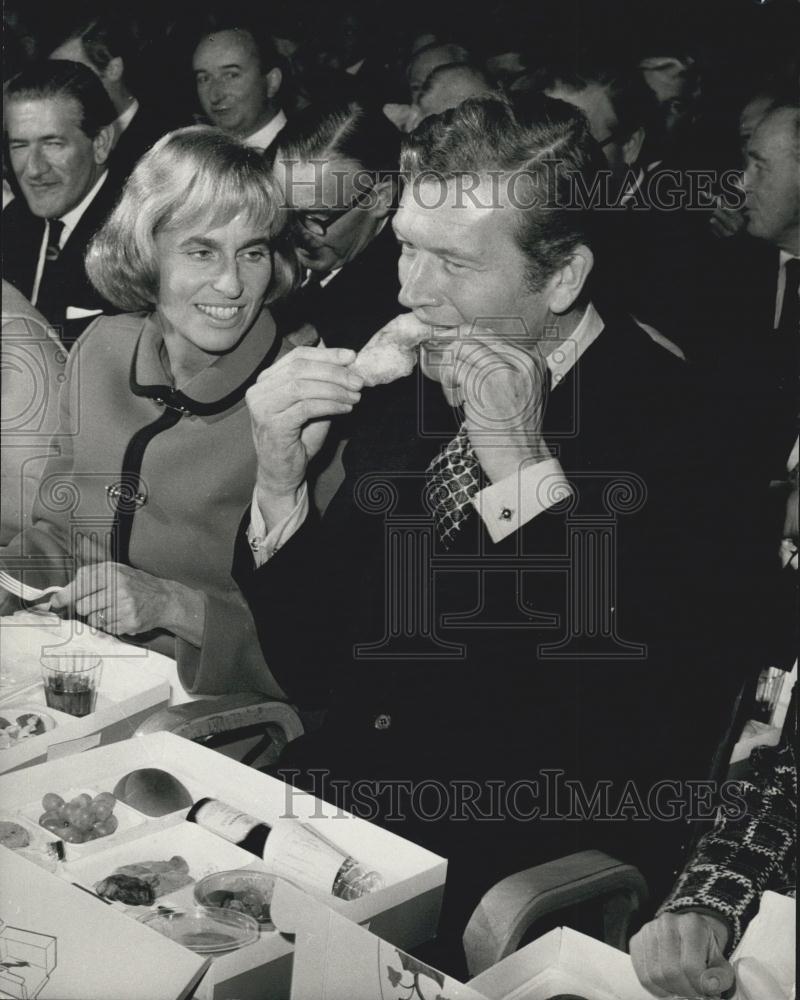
(216, 93)
(36, 164)
(228, 281)
(417, 283)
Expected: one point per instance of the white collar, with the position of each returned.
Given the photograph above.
(121, 122)
(784, 256)
(263, 138)
(73, 216)
(562, 358)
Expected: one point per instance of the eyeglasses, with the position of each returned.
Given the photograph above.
(319, 226)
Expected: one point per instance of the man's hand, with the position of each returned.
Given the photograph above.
(502, 389)
(126, 601)
(290, 410)
(725, 221)
(680, 954)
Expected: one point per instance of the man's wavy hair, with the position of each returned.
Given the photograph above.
(541, 146)
(197, 175)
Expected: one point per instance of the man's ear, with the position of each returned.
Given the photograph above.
(114, 70)
(103, 143)
(633, 147)
(568, 283)
(383, 198)
(272, 82)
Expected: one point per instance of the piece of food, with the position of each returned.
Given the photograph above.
(25, 725)
(13, 835)
(127, 889)
(83, 818)
(140, 884)
(392, 352)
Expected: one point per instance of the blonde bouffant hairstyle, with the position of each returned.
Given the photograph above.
(196, 174)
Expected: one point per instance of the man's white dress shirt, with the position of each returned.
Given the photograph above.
(70, 220)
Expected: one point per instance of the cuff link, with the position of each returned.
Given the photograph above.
(382, 721)
(123, 495)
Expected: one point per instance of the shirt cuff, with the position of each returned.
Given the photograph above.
(505, 506)
(265, 544)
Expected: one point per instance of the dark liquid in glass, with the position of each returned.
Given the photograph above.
(70, 693)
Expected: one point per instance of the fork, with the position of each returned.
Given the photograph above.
(22, 590)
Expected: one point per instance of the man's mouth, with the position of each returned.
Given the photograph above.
(218, 312)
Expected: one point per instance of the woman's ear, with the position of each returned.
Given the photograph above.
(568, 283)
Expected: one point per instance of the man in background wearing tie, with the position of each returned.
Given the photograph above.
(58, 120)
(435, 608)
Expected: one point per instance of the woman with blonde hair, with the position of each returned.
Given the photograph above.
(136, 516)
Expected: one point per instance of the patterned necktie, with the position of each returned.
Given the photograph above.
(454, 478)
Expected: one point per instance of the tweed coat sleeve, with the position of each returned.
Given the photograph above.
(739, 859)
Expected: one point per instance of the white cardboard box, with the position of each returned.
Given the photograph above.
(337, 960)
(57, 943)
(405, 912)
(129, 692)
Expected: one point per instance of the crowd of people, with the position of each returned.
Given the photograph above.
(563, 544)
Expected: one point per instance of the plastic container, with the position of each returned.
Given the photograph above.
(203, 929)
(239, 891)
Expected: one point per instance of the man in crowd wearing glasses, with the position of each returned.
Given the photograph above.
(338, 168)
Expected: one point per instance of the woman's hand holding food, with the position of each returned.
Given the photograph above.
(126, 601)
(681, 954)
(290, 409)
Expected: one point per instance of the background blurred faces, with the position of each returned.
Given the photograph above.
(54, 160)
(772, 191)
(620, 151)
(234, 90)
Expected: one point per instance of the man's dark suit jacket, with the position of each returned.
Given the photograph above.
(21, 243)
(645, 703)
(355, 303)
(146, 128)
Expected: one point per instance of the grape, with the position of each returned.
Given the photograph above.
(105, 797)
(106, 826)
(50, 816)
(102, 810)
(82, 800)
(51, 801)
(71, 835)
(71, 811)
(85, 820)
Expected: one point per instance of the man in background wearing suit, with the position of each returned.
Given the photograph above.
(337, 164)
(495, 652)
(103, 44)
(238, 80)
(59, 122)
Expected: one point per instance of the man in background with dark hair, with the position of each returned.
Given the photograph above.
(337, 164)
(652, 225)
(59, 126)
(238, 79)
(104, 45)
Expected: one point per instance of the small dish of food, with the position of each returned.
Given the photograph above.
(204, 930)
(21, 723)
(242, 891)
